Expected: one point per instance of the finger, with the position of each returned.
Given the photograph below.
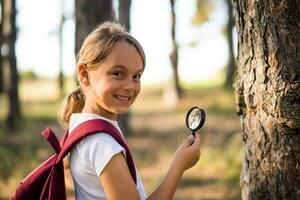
(197, 140)
(189, 140)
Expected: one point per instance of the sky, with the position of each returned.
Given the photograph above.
(37, 46)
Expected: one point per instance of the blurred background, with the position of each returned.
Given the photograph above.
(190, 47)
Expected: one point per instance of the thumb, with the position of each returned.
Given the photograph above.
(190, 140)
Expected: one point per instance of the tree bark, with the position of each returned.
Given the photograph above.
(9, 39)
(268, 97)
(231, 60)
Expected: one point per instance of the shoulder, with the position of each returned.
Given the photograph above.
(98, 149)
(77, 119)
(100, 142)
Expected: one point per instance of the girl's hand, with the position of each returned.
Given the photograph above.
(188, 153)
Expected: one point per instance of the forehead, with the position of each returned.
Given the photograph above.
(124, 53)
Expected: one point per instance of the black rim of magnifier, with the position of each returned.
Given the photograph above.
(202, 119)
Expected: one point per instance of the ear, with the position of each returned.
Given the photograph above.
(83, 75)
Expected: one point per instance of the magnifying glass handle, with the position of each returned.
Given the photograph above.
(193, 132)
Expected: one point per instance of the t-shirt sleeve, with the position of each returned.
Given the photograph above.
(98, 149)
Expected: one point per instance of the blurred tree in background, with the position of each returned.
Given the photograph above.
(1, 42)
(175, 87)
(124, 13)
(204, 9)
(8, 60)
(173, 91)
(231, 64)
(268, 97)
(61, 25)
(89, 14)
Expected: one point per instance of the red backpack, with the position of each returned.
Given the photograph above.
(47, 181)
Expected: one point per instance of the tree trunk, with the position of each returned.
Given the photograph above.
(268, 97)
(9, 38)
(124, 13)
(231, 60)
(1, 42)
(61, 75)
(174, 53)
(89, 14)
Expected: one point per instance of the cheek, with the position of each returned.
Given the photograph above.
(100, 84)
(138, 88)
(99, 90)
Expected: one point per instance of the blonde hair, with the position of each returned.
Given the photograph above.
(95, 48)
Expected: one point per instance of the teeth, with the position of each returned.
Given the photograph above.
(123, 98)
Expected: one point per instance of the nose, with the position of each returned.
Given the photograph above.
(129, 84)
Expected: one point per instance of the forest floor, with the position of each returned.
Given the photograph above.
(157, 130)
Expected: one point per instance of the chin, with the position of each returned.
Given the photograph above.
(120, 110)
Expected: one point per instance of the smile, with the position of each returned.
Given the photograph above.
(122, 98)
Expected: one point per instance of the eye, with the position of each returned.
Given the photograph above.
(118, 74)
(137, 77)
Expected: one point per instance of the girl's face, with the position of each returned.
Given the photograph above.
(114, 85)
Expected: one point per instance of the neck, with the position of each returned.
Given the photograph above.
(99, 111)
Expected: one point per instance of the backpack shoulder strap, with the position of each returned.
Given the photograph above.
(49, 135)
(91, 127)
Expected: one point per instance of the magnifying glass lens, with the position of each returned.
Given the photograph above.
(195, 119)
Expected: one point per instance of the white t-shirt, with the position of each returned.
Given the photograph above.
(89, 157)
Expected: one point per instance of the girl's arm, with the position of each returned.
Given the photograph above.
(117, 181)
(118, 184)
(66, 163)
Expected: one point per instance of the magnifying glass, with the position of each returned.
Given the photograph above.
(195, 119)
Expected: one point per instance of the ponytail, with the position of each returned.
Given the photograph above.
(73, 103)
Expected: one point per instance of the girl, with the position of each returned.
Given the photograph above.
(110, 64)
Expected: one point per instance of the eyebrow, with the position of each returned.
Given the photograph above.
(124, 67)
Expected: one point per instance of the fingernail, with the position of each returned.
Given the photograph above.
(191, 137)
